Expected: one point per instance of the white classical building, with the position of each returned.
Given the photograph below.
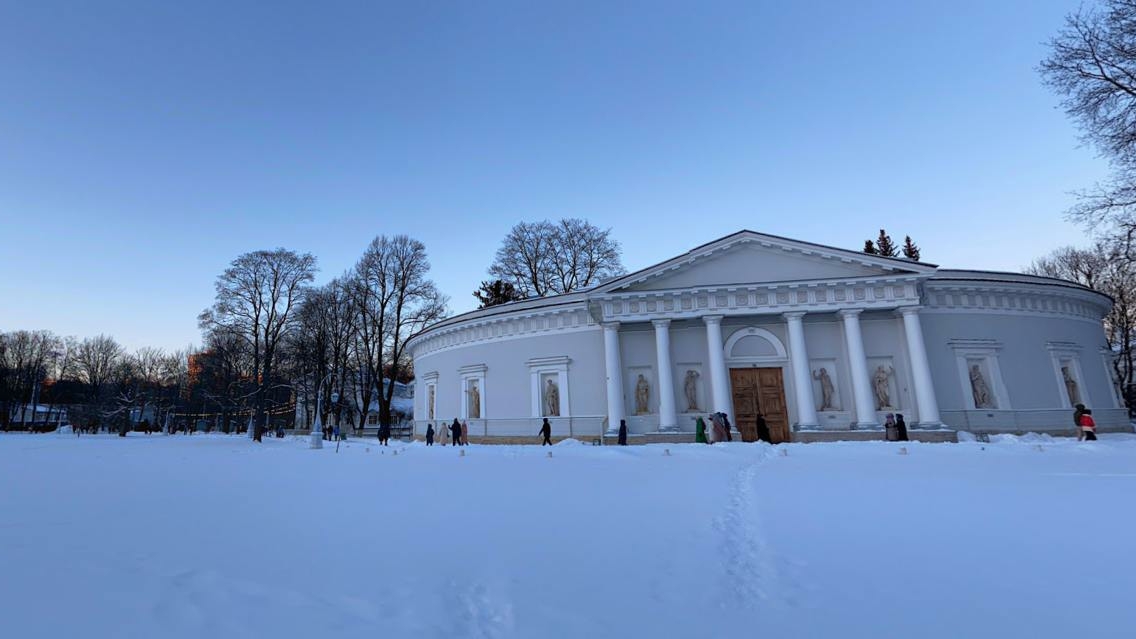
(823, 342)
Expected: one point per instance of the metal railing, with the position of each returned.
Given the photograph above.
(583, 426)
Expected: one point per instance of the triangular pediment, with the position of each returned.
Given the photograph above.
(747, 258)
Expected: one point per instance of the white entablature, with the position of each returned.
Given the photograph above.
(812, 297)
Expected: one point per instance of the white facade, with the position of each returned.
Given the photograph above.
(746, 323)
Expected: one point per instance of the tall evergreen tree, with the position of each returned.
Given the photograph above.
(869, 248)
(910, 250)
(884, 245)
(497, 292)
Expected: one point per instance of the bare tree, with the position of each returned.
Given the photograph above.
(394, 299)
(96, 360)
(547, 258)
(29, 357)
(256, 297)
(323, 345)
(221, 375)
(1092, 66)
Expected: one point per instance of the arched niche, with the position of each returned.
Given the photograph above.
(753, 344)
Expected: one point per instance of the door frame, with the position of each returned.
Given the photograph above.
(789, 430)
(779, 360)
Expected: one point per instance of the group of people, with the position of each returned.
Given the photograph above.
(895, 429)
(719, 430)
(456, 433)
(331, 433)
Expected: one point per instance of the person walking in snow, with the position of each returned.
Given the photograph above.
(700, 432)
(546, 432)
(465, 433)
(1088, 426)
(901, 427)
(384, 434)
(456, 432)
(429, 434)
(623, 432)
(1079, 410)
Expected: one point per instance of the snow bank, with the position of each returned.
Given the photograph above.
(215, 536)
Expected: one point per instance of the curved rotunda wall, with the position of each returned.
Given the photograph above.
(511, 373)
(1021, 332)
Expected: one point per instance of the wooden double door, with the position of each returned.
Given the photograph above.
(759, 391)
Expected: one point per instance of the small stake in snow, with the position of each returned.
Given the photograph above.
(395, 453)
(666, 452)
(784, 452)
(462, 453)
(550, 454)
(1040, 449)
(903, 450)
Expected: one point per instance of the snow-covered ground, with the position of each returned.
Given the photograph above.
(214, 536)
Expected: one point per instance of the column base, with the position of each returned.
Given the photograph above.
(866, 426)
(800, 427)
(670, 429)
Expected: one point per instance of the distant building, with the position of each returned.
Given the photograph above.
(29, 416)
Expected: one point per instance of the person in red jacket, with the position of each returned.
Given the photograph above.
(1088, 426)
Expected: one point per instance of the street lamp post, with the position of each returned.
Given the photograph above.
(317, 429)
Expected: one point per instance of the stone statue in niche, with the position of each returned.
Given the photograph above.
(1071, 386)
(880, 386)
(690, 387)
(430, 402)
(979, 388)
(827, 390)
(551, 399)
(642, 394)
(474, 401)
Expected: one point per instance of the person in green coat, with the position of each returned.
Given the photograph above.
(700, 432)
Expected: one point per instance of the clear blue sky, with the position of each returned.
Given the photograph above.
(143, 145)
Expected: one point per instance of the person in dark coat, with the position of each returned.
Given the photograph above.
(1080, 410)
(456, 432)
(546, 432)
(763, 429)
(429, 434)
(700, 432)
(623, 432)
(901, 427)
(384, 434)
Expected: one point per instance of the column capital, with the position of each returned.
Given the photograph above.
(712, 319)
(909, 310)
(610, 326)
(661, 323)
(793, 315)
(849, 312)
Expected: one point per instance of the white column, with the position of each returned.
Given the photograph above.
(614, 376)
(802, 374)
(719, 376)
(920, 369)
(668, 415)
(858, 363)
